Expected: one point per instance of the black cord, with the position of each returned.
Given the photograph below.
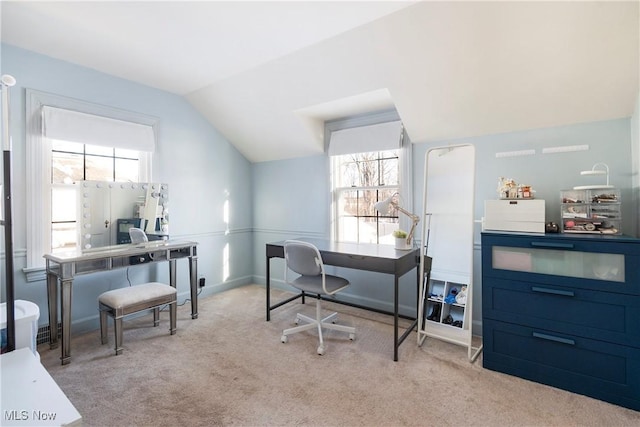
(183, 302)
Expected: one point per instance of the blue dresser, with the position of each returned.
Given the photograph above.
(564, 310)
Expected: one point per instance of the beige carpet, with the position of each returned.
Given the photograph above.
(229, 367)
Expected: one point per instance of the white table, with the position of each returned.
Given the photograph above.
(30, 397)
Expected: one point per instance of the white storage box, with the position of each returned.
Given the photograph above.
(523, 215)
(26, 316)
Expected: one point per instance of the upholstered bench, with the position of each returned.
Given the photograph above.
(133, 299)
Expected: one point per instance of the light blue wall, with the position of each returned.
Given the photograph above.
(292, 199)
(635, 160)
(292, 196)
(272, 201)
(202, 168)
(609, 142)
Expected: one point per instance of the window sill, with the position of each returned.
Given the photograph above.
(35, 274)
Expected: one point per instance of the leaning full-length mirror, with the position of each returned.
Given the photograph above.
(446, 288)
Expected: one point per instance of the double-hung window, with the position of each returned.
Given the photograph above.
(369, 164)
(69, 141)
(72, 162)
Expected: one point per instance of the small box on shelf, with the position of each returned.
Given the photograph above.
(520, 215)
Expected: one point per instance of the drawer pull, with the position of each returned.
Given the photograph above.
(552, 291)
(552, 245)
(553, 338)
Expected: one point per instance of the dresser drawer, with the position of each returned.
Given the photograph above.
(588, 262)
(590, 314)
(602, 370)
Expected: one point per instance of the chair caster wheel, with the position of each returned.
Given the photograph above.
(352, 337)
(321, 350)
(284, 339)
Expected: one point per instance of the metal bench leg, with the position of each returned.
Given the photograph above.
(103, 327)
(118, 327)
(172, 317)
(156, 316)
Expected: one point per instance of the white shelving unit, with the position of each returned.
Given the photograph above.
(446, 261)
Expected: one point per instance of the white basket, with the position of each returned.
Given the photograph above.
(26, 316)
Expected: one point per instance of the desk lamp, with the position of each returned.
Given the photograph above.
(383, 207)
(597, 169)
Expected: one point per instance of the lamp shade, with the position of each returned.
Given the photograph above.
(597, 169)
(383, 206)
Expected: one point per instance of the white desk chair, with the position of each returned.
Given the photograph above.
(138, 235)
(305, 259)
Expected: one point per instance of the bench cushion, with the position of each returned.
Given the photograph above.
(124, 297)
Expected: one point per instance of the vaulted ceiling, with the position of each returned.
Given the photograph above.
(267, 74)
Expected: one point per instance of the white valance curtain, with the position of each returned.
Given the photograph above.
(73, 126)
(361, 139)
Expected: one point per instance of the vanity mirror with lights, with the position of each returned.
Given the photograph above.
(106, 211)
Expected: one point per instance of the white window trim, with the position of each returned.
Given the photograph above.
(405, 189)
(39, 166)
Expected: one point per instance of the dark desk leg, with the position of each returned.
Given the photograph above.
(395, 319)
(52, 301)
(268, 285)
(193, 274)
(418, 296)
(65, 297)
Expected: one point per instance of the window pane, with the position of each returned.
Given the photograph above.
(348, 225)
(368, 169)
(99, 150)
(63, 203)
(66, 168)
(386, 226)
(357, 219)
(63, 236)
(348, 229)
(366, 200)
(99, 168)
(359, 222)
(389, 172)
(71, 147)
(365, 230)
(347, 203)
(127, 170)
(348, 176)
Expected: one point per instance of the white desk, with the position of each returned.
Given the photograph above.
(30, 397)
(64, 267)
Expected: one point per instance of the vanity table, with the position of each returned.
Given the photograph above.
(62, 268)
